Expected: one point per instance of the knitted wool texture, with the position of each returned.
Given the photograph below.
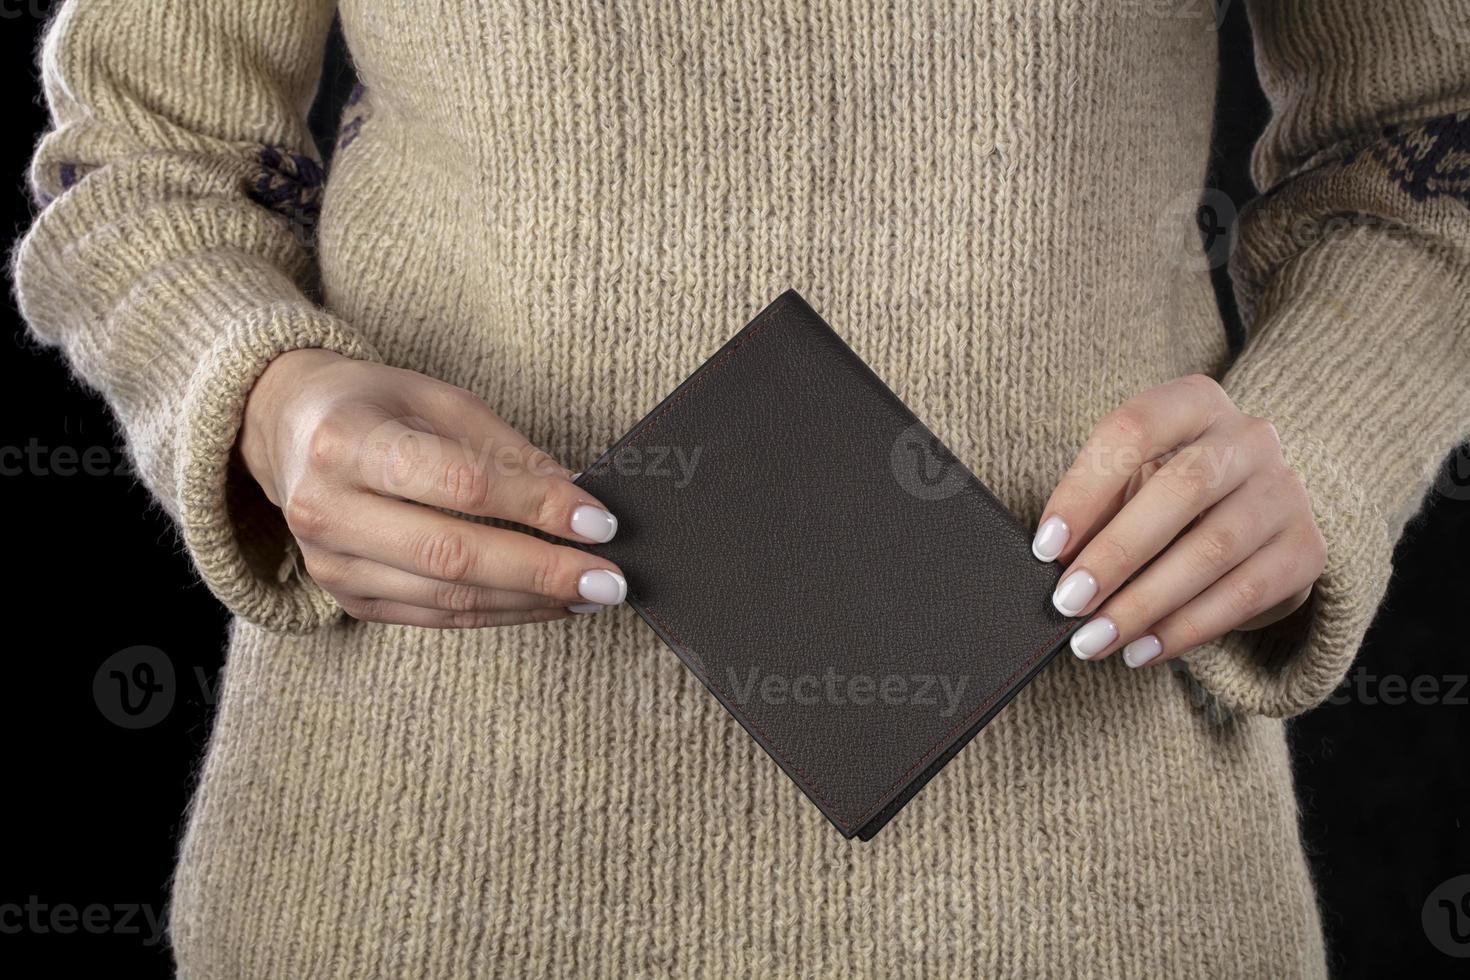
(564, 208)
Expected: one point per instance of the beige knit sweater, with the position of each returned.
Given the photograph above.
(565, 207)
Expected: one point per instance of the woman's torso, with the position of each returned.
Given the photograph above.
(566, 207)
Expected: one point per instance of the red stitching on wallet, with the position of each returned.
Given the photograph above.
(733, 704)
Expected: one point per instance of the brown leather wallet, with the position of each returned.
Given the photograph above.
(845, 587)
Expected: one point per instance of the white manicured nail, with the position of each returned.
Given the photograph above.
(595, 523)
(602, 586)
(1075, 592)
(585, 608)
(1051, 538)
(1142, 650)
(1093, 638)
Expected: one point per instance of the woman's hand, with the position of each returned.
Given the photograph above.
(357, 455)
(1183, 490)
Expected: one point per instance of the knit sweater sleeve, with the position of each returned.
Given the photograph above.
(1352, 271)
(168, 261)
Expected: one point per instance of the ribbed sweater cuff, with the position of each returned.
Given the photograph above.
(238, 540)
(1293, 665)
(1340, 326)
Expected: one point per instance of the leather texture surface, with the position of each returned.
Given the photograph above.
(845, 587)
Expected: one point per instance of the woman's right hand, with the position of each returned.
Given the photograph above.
(358, 455)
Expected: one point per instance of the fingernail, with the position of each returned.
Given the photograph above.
(1093, 638)
(595, 523)
(1142, 650)
(585, 608)
(602, 586)
(1051, 538)
(575, 476)
(1075, 592)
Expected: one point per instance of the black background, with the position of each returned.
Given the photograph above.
(93, 809)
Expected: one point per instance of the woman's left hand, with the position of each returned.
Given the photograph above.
(1179, 521)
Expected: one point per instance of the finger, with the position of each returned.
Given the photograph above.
(1229, 533)
(499, 474)
(403, 614)
(1140, 430)
(438, 546)
(1194, 479)
(348, 575)
(1276, 579)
